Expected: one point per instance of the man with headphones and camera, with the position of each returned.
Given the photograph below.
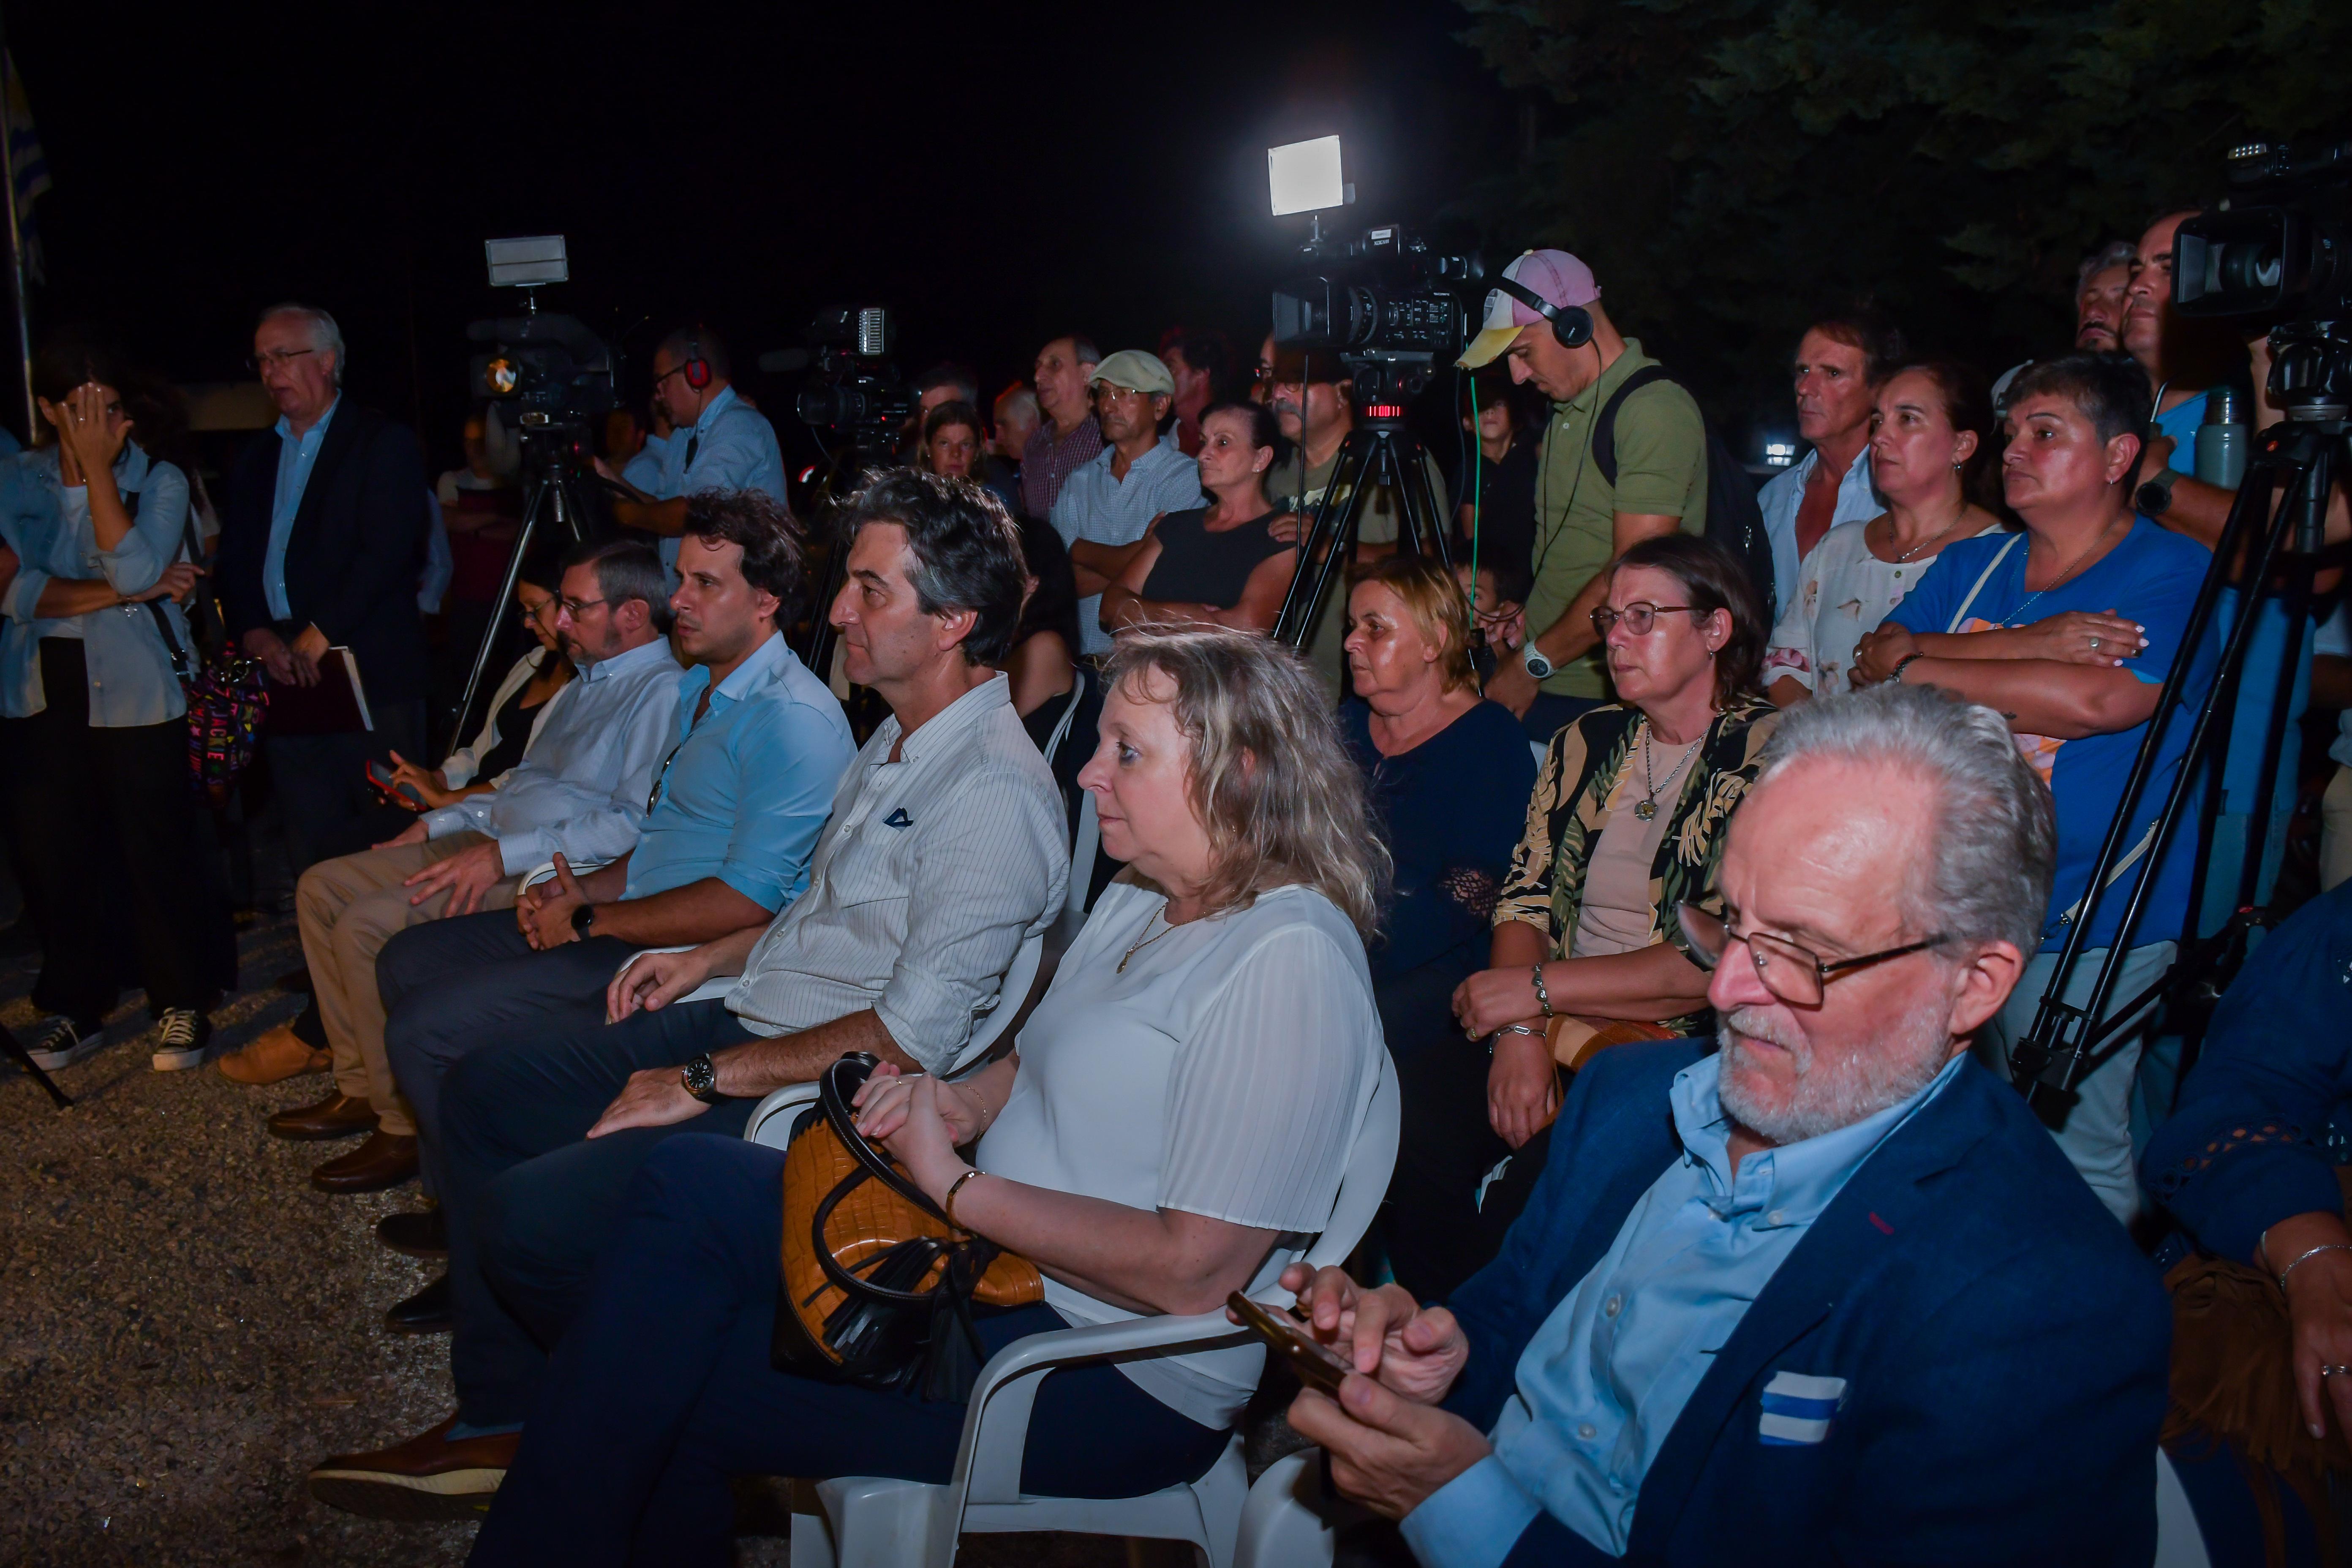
(718, 442)
(1544, 317)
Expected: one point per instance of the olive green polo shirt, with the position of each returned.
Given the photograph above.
(1661, 469)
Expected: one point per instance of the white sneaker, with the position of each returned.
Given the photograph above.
(182, 1039)
(60, 1045)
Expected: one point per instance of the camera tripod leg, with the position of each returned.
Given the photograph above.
(548, 491)
(2046, 1064)
(1334, 536)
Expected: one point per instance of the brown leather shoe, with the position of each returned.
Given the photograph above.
(274, 1058)
(429, 1477)
(385, 1160)
(340, 1115)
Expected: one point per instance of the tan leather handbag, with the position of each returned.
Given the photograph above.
(877, 1288)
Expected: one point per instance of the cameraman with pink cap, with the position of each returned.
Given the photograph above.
(1544, 317)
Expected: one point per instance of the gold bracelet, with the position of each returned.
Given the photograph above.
(953, 1188)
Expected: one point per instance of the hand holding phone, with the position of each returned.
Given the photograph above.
(1319, 1367)
(395, 790)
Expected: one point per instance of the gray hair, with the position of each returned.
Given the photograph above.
(1269, 776)
(2114, 253)
(627, 569)
(1995, 833)
(325, 336)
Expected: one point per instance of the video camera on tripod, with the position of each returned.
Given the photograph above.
(857, 395)
(2276, 256)
(547, 381)
(1386, 306)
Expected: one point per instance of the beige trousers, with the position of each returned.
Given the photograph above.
(348, 909)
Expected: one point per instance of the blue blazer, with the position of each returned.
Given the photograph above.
(2002, 1343)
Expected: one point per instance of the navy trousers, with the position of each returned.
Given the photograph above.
(450, 986)
(531, 1199)
(662, 1389)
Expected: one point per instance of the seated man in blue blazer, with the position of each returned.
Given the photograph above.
(1830, 1294)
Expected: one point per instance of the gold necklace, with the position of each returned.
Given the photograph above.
(1146, 940)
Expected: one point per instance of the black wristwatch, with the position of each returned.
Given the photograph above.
(2155, 497)
(701, 1080)
(582, 918)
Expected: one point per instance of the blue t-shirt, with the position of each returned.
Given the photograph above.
(2181, 422)
(2152, 576)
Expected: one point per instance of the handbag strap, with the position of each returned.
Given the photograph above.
(171, 642)
(1983, 577)
(834, 1088)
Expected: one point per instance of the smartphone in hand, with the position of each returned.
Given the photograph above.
(394, 792)
(1319, 1367)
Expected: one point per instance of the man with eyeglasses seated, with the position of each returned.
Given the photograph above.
(1823, 1294)
(579, 790)
(946, 851)
(753, 750)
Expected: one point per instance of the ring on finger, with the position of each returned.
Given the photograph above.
(2334, 1371)
(2095, 644)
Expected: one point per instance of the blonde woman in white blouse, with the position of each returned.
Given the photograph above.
(1933, 462)
(1175, 1123)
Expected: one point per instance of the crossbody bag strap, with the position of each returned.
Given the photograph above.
(1961, 615)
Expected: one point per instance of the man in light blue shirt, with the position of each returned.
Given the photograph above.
(717, 441)
(1106, 506)
(1841, 1301)
(753, 755)
(580, 789)
(1839, 367)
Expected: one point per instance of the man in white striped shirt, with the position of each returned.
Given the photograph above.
(946, 851)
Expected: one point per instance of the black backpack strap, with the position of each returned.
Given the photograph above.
(1604, 423)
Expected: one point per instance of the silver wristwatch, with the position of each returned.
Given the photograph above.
(1538, 665)
(701, 1080)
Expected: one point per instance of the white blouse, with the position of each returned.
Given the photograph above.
(1843, 592)
(1227, 1073)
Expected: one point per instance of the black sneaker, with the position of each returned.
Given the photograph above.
(181, 1037)
(61, 1043)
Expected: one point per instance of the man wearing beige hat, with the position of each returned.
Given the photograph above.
(1108, 505)
(1544, 317)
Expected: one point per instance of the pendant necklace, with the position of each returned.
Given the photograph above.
(1146, 940)
(1648, 809)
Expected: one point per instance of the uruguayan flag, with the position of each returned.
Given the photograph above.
(1796, 1409)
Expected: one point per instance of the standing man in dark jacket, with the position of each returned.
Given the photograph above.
(320, 546)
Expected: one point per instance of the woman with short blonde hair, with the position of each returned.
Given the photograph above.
(1181, 1109)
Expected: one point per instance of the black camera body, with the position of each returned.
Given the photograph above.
(551, 380)
(856, 394)
(1385, 304)
(2278, 255)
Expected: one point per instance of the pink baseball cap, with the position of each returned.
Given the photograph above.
(1554, 276)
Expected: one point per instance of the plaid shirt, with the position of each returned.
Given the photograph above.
(1046, 462)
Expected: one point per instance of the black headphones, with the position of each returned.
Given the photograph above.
(1572, 324)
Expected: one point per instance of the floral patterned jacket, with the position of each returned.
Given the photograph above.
(1570, 808)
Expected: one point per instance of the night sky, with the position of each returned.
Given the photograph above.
(995, 172)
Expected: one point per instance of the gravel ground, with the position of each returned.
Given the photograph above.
(189, 1326)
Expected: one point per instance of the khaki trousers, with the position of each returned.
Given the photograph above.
(348, 909)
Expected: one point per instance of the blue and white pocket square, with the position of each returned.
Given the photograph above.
(1798, 1408)
(899, 818)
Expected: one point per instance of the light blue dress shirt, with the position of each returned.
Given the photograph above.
(745, 793)
(730, 448)
(580, 786)
(294, 457)
(1096, 506)
(1779, 500)
(1604, 1379)
(643, 470)
(47, 524)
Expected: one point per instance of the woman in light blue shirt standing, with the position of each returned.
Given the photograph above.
(98, 799)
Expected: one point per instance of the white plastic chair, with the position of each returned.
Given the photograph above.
(868, 1521)
(771, 1126)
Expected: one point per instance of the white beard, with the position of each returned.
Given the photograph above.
(1831, 1092)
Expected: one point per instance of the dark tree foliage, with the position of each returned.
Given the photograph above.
(1727, 166)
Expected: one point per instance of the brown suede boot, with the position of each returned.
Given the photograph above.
(274, 1058)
